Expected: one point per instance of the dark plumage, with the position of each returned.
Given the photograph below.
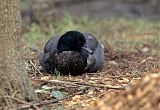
(73, 53)
(70, 62)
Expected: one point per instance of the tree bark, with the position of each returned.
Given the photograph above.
(13, 75)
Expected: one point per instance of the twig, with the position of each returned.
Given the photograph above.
(121, 76)
(16, 99)
(21, 101)
(31, 104)
(35, 67)
(85, 84)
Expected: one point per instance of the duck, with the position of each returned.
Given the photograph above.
(72, 53)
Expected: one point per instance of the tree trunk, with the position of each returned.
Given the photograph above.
(13, 76)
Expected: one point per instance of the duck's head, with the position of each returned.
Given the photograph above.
(73, 41)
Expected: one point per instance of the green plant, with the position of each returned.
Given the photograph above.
(57, 73)
(158, 39)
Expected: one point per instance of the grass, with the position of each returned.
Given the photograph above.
(158, 39)
(124, 32)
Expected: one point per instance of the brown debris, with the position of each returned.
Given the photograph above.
(143, 95)
(121, 69)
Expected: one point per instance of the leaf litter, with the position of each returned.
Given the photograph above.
(120, 72)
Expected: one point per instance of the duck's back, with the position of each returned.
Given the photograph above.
(51, 45)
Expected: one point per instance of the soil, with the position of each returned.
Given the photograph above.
(121, 68)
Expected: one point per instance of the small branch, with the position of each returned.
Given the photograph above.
(23, 102)
(121, 76)
(35, 67)
(85, 84)
(16, 99)
(33, 104)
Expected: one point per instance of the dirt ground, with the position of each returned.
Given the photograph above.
(121, 70)
(127, 71)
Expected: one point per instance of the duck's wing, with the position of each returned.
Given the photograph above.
(46, 58)
(91, 41)
(99, 57)
(51, 45)
(96, 60)
(45, 62)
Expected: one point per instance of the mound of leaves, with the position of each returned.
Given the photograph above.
(143, 95)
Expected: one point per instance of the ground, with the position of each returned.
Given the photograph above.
(132, 57)
(131, 50)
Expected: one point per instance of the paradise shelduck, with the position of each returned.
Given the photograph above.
(73, 53)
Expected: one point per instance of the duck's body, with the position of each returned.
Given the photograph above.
(72, 60)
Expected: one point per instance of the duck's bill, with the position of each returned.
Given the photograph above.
(88, 50)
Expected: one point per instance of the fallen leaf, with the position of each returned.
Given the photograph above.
(57, 94)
